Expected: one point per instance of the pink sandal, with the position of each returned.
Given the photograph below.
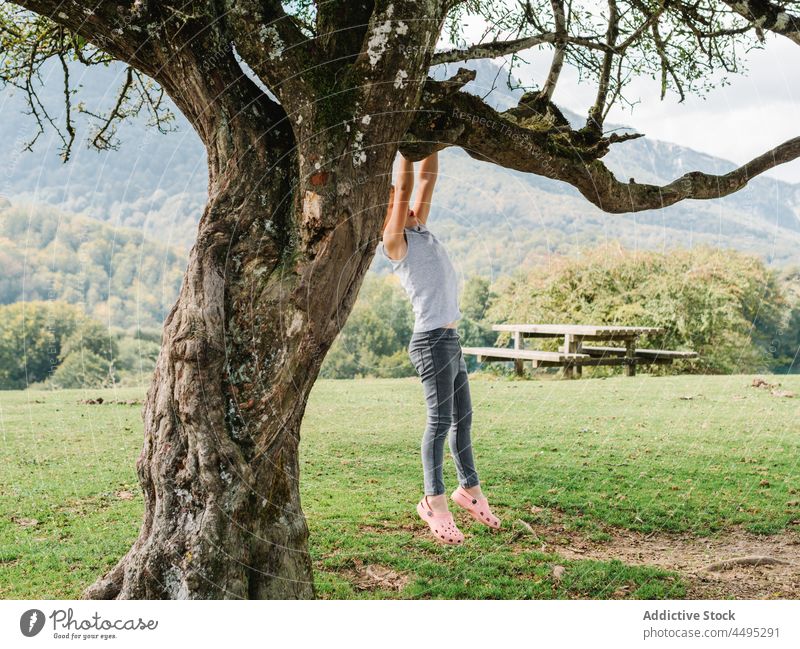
(478, 508)
(441, 523)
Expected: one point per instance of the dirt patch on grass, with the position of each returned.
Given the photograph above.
(97, 502)
(772, 570)
(100, 401)
(374, 576)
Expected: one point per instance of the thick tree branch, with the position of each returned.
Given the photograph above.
(184, 48)
(341, 27)
(119, 30)
(450, 117)
(768, 15)
(493, 49)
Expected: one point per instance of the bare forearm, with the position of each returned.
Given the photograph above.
(405, 178)
(402, 195)
(429, 168)
(428, 173)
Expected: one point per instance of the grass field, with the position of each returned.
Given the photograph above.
(596, 458)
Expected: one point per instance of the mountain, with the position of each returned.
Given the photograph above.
(495, 220)
(155, 183)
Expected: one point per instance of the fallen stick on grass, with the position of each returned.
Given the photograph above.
(754, 560)
(526, 526)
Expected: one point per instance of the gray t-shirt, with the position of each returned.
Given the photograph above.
(428, 276)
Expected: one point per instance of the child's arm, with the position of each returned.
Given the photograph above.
(394, 241)
(428, 172)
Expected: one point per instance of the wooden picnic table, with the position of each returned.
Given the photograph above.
(573, 354)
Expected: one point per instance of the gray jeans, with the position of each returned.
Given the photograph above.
(437, 357)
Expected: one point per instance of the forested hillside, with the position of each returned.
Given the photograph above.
(117, 276)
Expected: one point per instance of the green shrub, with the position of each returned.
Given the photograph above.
(32, 336)
(83, 369)
(375, 336)
(53, 344)
(374, 341)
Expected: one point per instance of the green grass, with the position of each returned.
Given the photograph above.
(628, 453)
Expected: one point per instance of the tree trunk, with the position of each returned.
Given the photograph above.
(297, 196)
(270, 283)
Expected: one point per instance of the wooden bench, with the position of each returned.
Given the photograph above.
(574, 354)
(640, 353)
(537, 357)
(584, 332)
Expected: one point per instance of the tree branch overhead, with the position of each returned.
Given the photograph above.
(536, 143)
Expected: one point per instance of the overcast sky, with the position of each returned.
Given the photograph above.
(757, 111)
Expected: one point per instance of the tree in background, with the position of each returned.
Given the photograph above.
(138, 353)
(51, 345)
(721, 303)
(31, 337)
(475, 327)
(83, 369)
(37, 337)
(786, 344)
(87, 358)
(373, 342)
(90, 336)
(302, 107)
